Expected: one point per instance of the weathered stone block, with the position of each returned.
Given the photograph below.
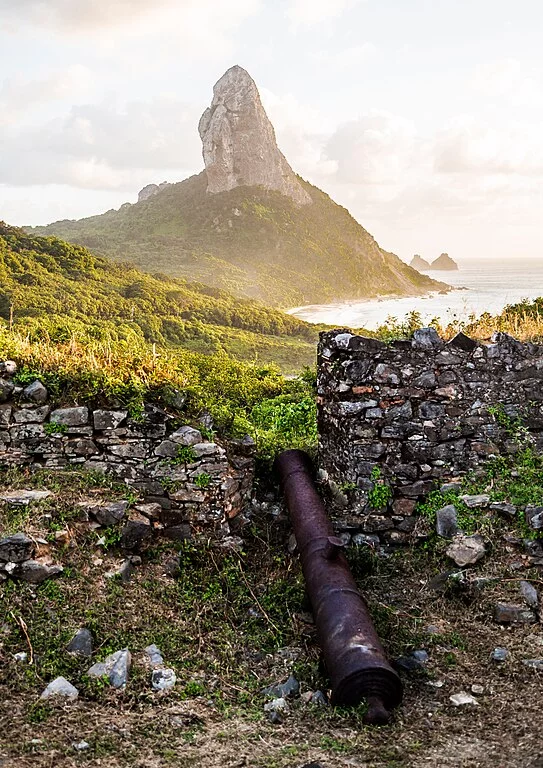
(31, 415)
(35, 393)
(135, 449)
(507, 613)
(534, 516)
(16, 548)
(107, 419)
(71, 417)
(187, 436)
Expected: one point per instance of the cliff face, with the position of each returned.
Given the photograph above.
(239, 146)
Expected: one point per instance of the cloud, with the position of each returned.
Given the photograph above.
(506, 80)
(308, 12)
(104, 146)
(375, 149)
(474, 146)
(107, 21)
(301, 132)
(19, 95)
(82, 14)
(346, 59)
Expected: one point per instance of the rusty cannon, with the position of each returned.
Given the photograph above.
(354, 657)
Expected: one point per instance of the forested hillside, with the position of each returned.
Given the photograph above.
(57, 290)
(250, 242)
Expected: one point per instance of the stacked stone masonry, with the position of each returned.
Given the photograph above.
(191, 483)
(416, 414)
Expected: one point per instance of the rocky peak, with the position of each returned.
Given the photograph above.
(417, 262)
(444, 262)
(239, 145)
(151, 190)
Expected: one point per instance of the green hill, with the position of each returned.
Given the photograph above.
(56, 291)
(250, 242)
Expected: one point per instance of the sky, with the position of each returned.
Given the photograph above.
(423, 117)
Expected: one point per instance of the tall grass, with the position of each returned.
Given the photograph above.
(524, 321)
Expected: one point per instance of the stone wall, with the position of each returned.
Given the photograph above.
(415, 414)
(186, 481)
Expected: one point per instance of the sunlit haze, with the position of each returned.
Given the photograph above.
(424, 118)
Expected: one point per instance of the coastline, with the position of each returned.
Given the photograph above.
(297, 311)
(477, 287)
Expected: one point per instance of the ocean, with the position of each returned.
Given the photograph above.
(490, 285)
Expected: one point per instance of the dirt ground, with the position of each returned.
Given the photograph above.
(223, 659)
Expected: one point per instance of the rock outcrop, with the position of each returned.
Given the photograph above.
(239, 145)
(151, 190)
(445, 263)
(420, 264)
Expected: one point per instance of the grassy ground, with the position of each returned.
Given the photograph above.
(231, 624)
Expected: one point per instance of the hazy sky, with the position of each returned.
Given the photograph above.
(423, 117)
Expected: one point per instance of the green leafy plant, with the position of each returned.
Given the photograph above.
(379, 495)
(185, 455)
(202, 481)
(55, 428)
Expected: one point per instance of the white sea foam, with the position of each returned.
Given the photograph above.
(491, 286)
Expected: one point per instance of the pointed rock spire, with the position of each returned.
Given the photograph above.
(239, 145)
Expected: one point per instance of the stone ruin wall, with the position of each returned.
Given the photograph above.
(416, 414)
(144, 454)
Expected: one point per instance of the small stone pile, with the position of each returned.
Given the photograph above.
(115, 668)
(17, 560)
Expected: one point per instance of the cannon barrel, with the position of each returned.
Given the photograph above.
(354, 657)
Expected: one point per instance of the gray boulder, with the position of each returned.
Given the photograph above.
(116, 667)
(36, 572)
(207, 449)
(533, 663)
(35, 393)
(60, 688)
(162, 679)
(109, 513)
(154, 655)
(447, 522)
(24, 497)
(507, 613)
(529, 593)
(479, 500)
(499, 655)
(31, 415)
(136, 531)
(504, 508)
(426, 338)
(6, 389)
(16, 548)
(534, 516)
(105, 419)
(81, 643)
(8, 368)
(466, 550)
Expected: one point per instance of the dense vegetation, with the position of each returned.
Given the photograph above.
(242, 398)
(57, 291)
(523, 320)
(98, 332)
(251, 243)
